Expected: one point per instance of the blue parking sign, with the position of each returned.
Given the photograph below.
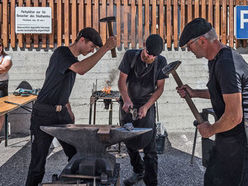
(242, 22)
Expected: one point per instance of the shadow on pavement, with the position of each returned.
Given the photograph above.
(174, 168)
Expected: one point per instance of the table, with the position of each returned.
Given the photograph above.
(6, 108)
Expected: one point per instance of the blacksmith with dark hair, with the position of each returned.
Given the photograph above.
(228, 91)
(141, 83)
(52, 106)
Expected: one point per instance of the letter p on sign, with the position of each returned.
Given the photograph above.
(241, 22)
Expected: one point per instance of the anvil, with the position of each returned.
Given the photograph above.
(91, 158)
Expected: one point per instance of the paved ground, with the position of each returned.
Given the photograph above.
(174, 165)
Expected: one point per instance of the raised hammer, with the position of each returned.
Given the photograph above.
(109, 20)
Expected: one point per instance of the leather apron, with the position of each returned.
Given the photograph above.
(226, 164)
(140, 88)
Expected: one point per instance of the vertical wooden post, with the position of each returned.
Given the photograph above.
(12, 25)
(175, 24)
(223, 22)
(5, 24)
(168, 18)
(59, 23)
(140, 24)
(118, 22)
(161, 18)
(133, 24)
(154, 18)
(44, 36)
(126, 12)
(103, 25)
(20, 36)
(74, 29)
(51, 36)
(67, 22)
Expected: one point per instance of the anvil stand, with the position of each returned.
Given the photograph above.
(92, 164)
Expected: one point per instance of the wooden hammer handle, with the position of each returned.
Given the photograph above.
(188, 99)
(113, 52)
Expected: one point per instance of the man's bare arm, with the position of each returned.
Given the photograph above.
(232, 116)
(143, 110)
(122, 85)
(193, 93)
(86, 64)
(158, 92)
(233, 113)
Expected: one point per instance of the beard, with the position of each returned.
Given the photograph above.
(147, 59)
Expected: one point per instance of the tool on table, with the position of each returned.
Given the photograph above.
(109, 21)
(26, 92)
(171, 68)
(24, 107)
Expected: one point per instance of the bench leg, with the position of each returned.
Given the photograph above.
(6, 130)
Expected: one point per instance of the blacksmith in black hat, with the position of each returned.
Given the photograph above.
(228, 90)
(52, 106)
(141, 83)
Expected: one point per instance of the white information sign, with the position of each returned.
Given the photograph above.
(34, 20)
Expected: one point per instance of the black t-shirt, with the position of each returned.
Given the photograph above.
(59, 79)
(142, 67)
(228, 73)
(142, 78)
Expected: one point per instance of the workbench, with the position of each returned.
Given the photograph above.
(6, 108)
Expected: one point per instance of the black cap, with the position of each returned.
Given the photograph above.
(193, 29)
(90, 34)
(154, 44)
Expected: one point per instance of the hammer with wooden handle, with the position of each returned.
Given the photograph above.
(171, 68)
(109, 21)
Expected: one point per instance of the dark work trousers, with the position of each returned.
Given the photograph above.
(146, 142)
(41, 141)
(227, 162)
(244, 180)
(3, 88)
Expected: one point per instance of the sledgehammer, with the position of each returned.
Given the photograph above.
(171, 68)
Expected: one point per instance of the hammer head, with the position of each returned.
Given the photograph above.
(108, 19)
(134, 113)
(170, 67)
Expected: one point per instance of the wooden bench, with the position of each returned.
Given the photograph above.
(17, 102)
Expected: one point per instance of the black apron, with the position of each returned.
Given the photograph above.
(140, 89)
(227, 160)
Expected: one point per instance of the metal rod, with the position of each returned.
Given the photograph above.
(110, 113)
(193, 150)
(90, 114)
(94, 117)
(23, 107)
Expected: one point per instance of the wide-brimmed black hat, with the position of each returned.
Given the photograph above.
(194, 29)
(154, 44)
(90, 34)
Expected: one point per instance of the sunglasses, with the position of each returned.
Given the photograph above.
(150, 54)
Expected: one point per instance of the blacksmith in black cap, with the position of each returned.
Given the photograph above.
(52, 105)
(141, 83)
(228, 89)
